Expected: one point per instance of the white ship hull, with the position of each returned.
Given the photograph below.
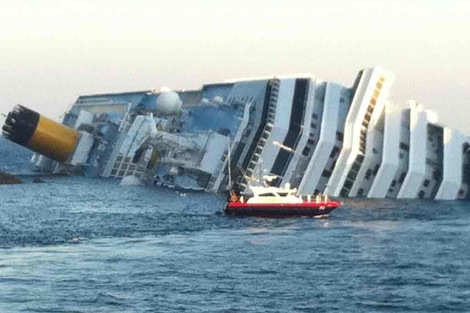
(318, 136)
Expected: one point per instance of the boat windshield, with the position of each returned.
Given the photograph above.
(272, 194)
(267, 194)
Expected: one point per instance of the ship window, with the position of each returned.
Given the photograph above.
(404, 146)
(348, 184)
(375, 151)
(326, 173)
(376, 169)
(394, 182)
(356, 166)
(223, 131)
(315, 116)
(352, 175)
(421, 194)
(402, 177)
(314, 126)
(360, 192)
(426, 183)
(339, 136)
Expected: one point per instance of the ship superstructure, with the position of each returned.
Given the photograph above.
(320, 137)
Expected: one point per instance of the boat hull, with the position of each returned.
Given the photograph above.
(310, 209)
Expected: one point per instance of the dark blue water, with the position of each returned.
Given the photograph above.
(90, 245)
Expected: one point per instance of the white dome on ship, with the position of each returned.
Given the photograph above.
(168, 102)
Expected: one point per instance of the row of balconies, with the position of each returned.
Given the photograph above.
(266, 131)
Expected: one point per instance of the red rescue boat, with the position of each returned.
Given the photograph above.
(268, 201)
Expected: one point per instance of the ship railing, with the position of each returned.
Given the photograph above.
(216, 180)
(122, 131)
(266, 130)
(220, 166)
(259, 148)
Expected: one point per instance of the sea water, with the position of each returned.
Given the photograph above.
(76, 244)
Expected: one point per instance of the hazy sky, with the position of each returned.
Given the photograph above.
(52, 51)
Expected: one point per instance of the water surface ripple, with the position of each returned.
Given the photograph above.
(90, 245)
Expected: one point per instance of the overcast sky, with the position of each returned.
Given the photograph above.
(53, 51)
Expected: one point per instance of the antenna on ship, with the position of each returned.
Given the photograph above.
(229, 156)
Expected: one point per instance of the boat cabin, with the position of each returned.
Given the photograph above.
(268, 194)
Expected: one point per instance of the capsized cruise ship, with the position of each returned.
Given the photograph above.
(319, 136)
